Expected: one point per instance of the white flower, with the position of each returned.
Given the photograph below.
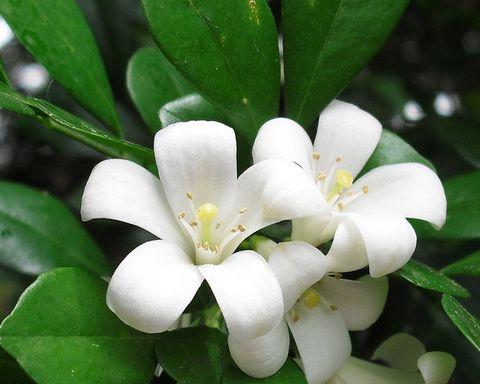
(408, 362)
(320, 310)
(202, 213)
(367, 218)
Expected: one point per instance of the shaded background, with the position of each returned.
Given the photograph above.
(424, 85)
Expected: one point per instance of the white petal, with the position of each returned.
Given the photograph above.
(360, 302)
(322, 340)
(197, 157)
(388, 241)
(345, 132)
(152, 286)
(315, 230)
(274, 190)
(122, 190)
(412, 190)
(297, 266)
(400, 351)
(264, 355)
(283, 139)
(436, 367)
(247, 292)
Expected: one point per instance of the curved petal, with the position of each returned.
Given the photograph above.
(436, 367)
(411, 190)
(122, 190)
(199, 158)
(247, 292)
(271, 191)
(264, 355)
(322, 340)
(315, 230)
(152, 286)
(360, 302)
(283, 139)
(297, 266)
(400, 351)
(345, 132)
(388, 242)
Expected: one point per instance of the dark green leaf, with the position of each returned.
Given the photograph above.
(152, 82)
(469, 265)
(230, 54)
(3, 75)
(290, 373)
(190, 107)
(193, 355)
(203, 299)
(62, 331)
(38, 233)
(326, 44)
(464, 320)
(423, 276)
(57, 119)
(463, 210)
(12, 373)
(392, 149)
(56, 33)
(12, 284)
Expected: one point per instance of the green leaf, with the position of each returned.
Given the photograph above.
(193, 355)
(56, 33)
(57, 119)
(3, 75)
(62, 331)
(423, 276)
(469, 265)
(464, 320)
(326, 44)
(290, 373)
(463, 210)
(38, 233)
(190, 107)
(152, 82)
(229, 53)
(392, 149)
(12, 373)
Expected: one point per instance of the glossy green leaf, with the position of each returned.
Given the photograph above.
(152, 82)
(469, 265)
(193, 355)
(11, 372)
(423, 276)
(392, 149)
(229, 53)
(38, 233)
(190, 107)
(62, 331)
(326, 44)
(290, 373)
(57, 119)
(56, 33)
(463, 210)
(464, 320)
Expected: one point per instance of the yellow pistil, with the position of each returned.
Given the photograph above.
(311, 298)
(206, 214)
(344, 180)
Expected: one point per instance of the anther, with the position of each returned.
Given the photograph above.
(365, 189)
(316, 155)
(205, 245)
(193, 224)
(190, 195)
(182, 215)
(340, 205)
(243, 210)
(296, 318)
(241, 228)
(233, 230)
(333, 307)
(321, 176)
(217, 225)
(338, 275)
(338, 159)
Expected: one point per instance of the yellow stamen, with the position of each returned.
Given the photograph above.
(190, 195)
(365, 189)
(316, 155)
(241, 228)
(311, 298)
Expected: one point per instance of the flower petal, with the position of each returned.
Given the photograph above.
(297, 266)
(274, 190)
(322, 340)
(315, 230)
(264, 355)
(411, 190)
(197, 157)
(348, 133)
(436, 367)
(388, 241)
(360, 302)
(283, 139)
(152, 286)
(247, 292)
(122, 190)
(400, 351)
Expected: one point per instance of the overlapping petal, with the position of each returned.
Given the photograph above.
(152, 286)
(436, 367)
(400, 351)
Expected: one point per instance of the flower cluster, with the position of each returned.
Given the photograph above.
(202, 212)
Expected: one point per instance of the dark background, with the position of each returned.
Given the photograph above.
(424, 85)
